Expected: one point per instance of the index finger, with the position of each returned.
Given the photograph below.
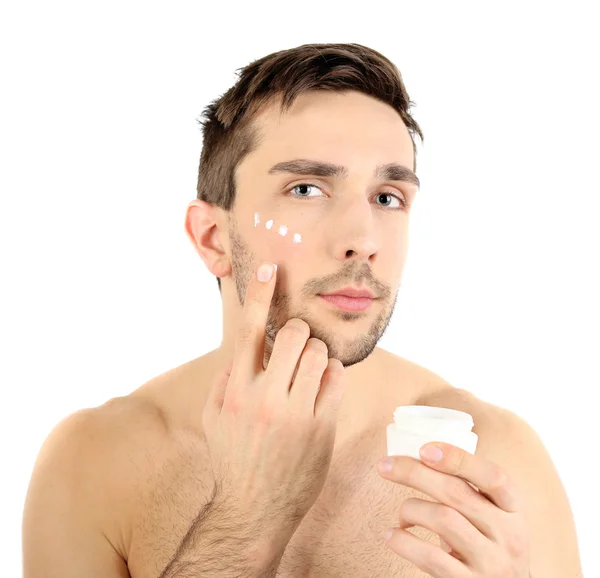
(493, 483)
(250, 341)
(492, 480)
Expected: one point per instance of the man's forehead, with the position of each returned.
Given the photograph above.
(293, 136)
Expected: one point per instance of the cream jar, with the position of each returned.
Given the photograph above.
(416, 425)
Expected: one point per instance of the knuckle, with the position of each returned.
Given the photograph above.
(299, 325)
(498, 477)
(407, 508)
(314, 359)
(336, 367)
(245, 333)
(516, 543)
(462, 463)
(449, 518)
(233, 405)
(268, 413)
(294, 332)
(317, 348)
(252, 303)
(459, 492)
(412, 475)
(254, 298)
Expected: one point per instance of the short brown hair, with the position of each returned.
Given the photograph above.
(228, 134)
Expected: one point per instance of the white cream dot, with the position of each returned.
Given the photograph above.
(269, 224)
(256, 220)
(297, 238)
(283, 230)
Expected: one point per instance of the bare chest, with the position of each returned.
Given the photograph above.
(342, 534)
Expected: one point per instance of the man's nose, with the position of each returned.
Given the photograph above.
(354, 233)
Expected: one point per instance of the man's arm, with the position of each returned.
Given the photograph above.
(223, 542)
(513, 444)
(61, 536)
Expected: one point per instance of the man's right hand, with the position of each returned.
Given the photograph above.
(270, 435)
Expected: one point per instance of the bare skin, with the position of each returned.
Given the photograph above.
(155, 463)
(133, 473)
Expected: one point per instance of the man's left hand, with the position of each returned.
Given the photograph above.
(482, 529)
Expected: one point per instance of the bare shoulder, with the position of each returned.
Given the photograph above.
(75, 494)
(496, 427)
(120, 440)
(102, 471)
(91, 438)
(434, 390)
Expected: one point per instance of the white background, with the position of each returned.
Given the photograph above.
(101, 289)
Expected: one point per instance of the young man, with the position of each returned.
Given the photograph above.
(260, 458)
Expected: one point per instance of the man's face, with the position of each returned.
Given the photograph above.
(326, 232)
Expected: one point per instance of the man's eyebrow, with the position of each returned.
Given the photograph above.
(387, 172)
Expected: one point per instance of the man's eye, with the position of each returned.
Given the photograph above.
(304, 186)
(402, 202)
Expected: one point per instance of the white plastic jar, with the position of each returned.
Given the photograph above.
(416, 425)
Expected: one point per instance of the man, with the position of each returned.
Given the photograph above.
(260, 458)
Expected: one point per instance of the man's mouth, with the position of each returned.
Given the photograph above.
(346, 303)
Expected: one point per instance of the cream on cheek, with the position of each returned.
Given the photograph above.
(282, 229)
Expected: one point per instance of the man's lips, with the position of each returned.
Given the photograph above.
(348, 303)
(352, 292)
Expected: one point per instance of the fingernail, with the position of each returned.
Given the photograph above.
(431, 453)
(389, 533)
(265, 272)
(386, 465)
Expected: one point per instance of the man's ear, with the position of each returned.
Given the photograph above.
(206, 228)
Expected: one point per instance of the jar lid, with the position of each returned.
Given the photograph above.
(440, 418)
(432, 412)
